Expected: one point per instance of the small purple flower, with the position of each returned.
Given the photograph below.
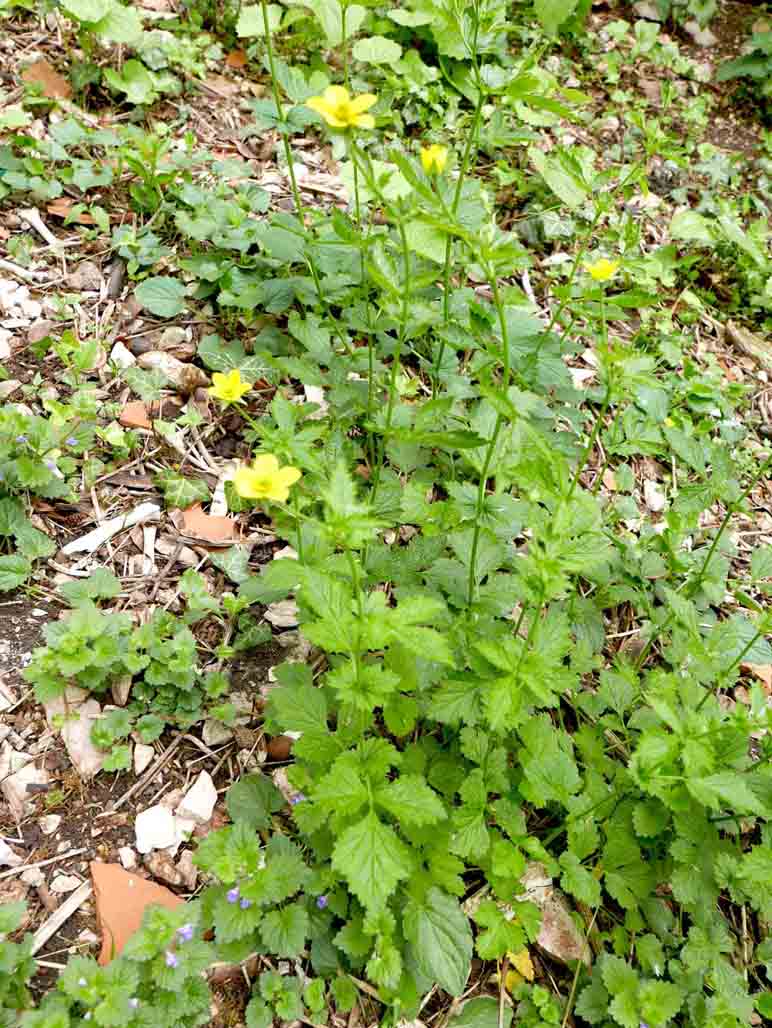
(186, 932)
(50, 464)
(133, 1002)
(2, 476)
(233, 894)
(82, 982)
(298, 797)
(245, 904)
(71, 440)
(643, 1024)
(21, 439)
(171, 959)
(321, 902)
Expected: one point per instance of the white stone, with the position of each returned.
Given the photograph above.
(5, 344)
(143, 757)
(78, 717)
(154, 829)
(7, 695)
(215, 733)
(33, 876)
(282, 614)
(122, 357)
(9, 387)
(64, 883)
(198, 802)
(7, 857)
(17, 772)
(49, 823)
(702, 37)
(127, 857)
(183, 829)
(653, 495)
(187, 869)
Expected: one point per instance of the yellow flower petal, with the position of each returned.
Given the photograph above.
(603, 269)
(340, 110)
(265, 479)
(265, 464)
(363, 102)
(336, 96)
(434, 158)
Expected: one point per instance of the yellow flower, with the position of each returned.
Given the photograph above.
(434, 158)
(603, 269)
(340, 110)
(265, 479)
(228, 388)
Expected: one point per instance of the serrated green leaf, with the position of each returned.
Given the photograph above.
(284, 930)
(372, 859)
(411, 801)
(441, 937)
(252, 800)
(14, 571)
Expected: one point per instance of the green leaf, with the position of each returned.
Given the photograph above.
(411, 801)
(120, 25)
(161, 295)
(33, 543)
(441, 937)
(118, 759)
(481, 1012)
(761, 563)
(12, 516)
(14, 571)
(87, 10)
(250, 21)
(691, 227)
(427, 240)
(101, 584)
(500, 936)
(258, 1014)
(284, 930)
(561, 174)
(233, 562)
(218, 355)
(372, 859)
(135, 81)
(376, 50)
(577, 880)
(180, 492)
(726, 789)
(252, 800)
(552, 13)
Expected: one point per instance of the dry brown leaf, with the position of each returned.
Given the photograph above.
(236, 59)
(208, 528)
(761, 671)
(61, 207)
(52, 84)
(222, 86)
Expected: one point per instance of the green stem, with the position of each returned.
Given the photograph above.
(472, 582)
(601, 413)
(296, 505)
(344, 43)
(730, 510)
(462, 172)
(728, 670)
(395, 362)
